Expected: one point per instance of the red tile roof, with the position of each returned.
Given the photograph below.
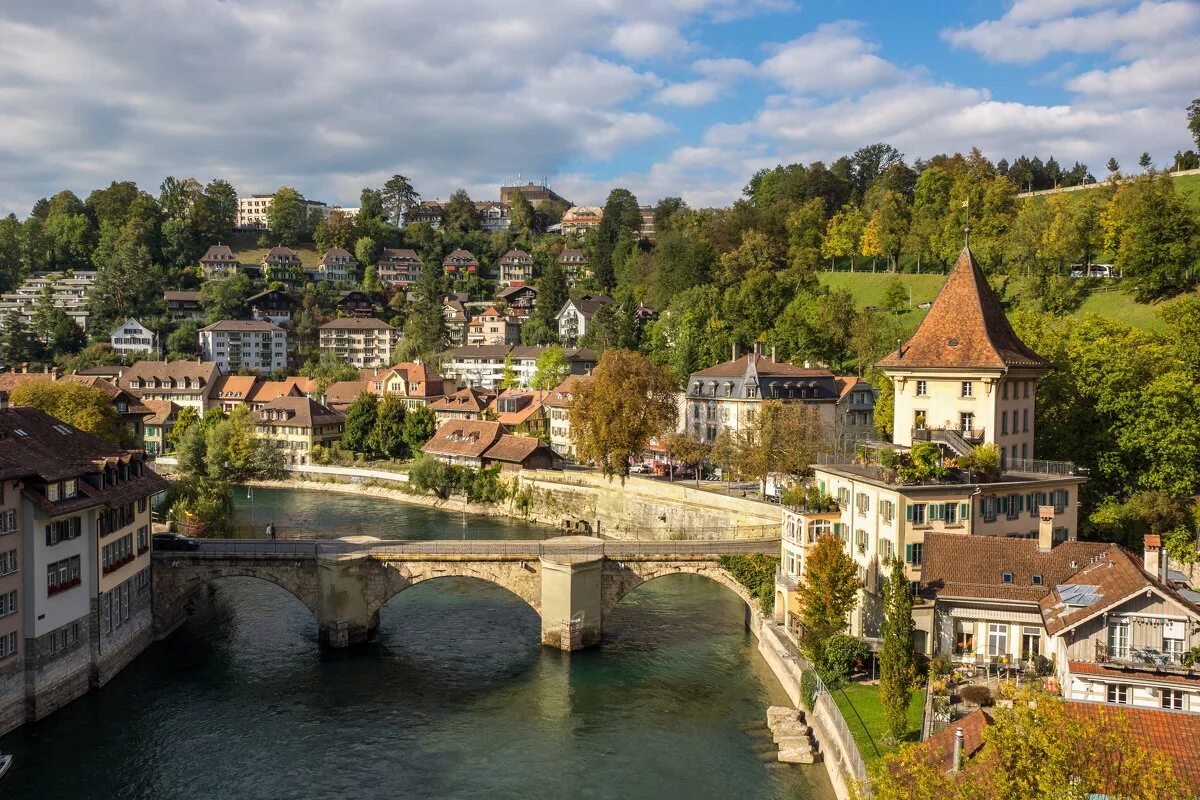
(516, 449)
(1116, 671)
(955, 565)
(966, 327)
(234, 387)
(764, 366)
(940, 746)
(463, 437)
(301, 411)
(1174, 734)
(470, 400)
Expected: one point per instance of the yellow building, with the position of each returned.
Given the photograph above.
(297, 424)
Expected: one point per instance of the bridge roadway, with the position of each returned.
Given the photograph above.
(572, 582)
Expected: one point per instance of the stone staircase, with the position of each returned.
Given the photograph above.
(793, 738)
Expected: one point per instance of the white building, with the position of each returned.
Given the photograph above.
(363, 343)
(237, 344)
(483, 366)
(337, 266)
(574, 317)
(252, 213)
(133, 337)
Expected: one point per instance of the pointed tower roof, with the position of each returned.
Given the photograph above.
(966, 327)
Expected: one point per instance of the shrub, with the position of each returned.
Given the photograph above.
(1043, 667)
(939, 686)
(983, 461)
(977, 694)
(940, 666)
(808, 689)
(842, 656)
(757, 573)
(887, 457)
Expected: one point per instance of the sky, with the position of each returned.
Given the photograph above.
(664, 97)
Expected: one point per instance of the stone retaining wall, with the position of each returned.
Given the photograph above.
(12, 694)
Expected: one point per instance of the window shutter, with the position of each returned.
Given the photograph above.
(908, 512)
(1066, 498)
(964, 511)
(908, 553)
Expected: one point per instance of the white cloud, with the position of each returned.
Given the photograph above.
(695, 93)
(644, 40)
(830, 60)
(727, 69)
(1023, 36)
(1159, 77)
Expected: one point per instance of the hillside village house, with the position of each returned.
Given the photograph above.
(854, 416)
(189, 384)
(398, 267)
(577, 220)
(158, 427)
(282, 264)
(355, 303)
(493, 215)
(337, 266)
(129, 409)
(232, 391)
(183, 305)
(428, 212)
(253, 212)
(493, 328)
(573, 319)
(271, 306)
(266, 391)
(340, 395)
(296, 425)
(879, 515)
(728, 396)
(479, 443)
(218, 260)
(558, 408)
(236, 344)
(483, 366)
(574, 264)
(521, 411)
(520, 301)
(515, 268)
(74, 562)
(419, 385)
(466, 403)
(460, 261)
(363, 343)
(132, 337)
(457, 317)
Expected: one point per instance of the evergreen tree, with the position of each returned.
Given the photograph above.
(387, 436)
(520, 215)
(55, 329)
(11, 253)
(461, 216)
(1145, 162)
(360, 422)
(897, 663)
(398, 196)
(828, 593)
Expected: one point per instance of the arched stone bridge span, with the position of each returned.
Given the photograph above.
(573, 582)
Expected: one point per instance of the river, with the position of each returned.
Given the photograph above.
(454, 698)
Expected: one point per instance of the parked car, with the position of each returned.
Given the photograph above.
(640, 469)
(925, 305)
(175, 541)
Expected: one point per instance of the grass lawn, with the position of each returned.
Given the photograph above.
(245, 247)
(859, 704)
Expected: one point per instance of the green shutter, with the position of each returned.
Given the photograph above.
(908, 553)
(908, 512)
(964, 511)
(1066, 495)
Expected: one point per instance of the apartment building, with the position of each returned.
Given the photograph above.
(558, 408)
(398, 267)
(297, 424)
(515, 268)
(493, 328)
(186, 383)
(481, 443)
(483, 366)
(428, 212)
(78, 581)
(363, 343)
(578, 220)
(417, 384)
(533, 192)
(493, 215)
(156, 439)
(522, 411)
(457, 317)
(237, 344)
(337, 266)
(253, 212)
(132, 337)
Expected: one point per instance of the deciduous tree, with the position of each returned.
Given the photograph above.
(828, 592)
(83, 406)
(360, 421)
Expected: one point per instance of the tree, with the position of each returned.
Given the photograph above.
(128, 282)
(828, 592)
(17, 344)
(895, 296)
(55, 329)
(225, 297)
(329, 368)
(509, 378)
(626, 400)
(398, 196)
(1145, 162)
(843, 234)
(287, 217)
(1154, 235)
(621, 220)
(687, 450)
(550, 369)
(360, 421)
(420, 425)
(1113, 166)
(1193, 117)
(387, 437)
(783, 439)
(184, 341)
(521, 214)
(461, 216)
(1040, 748)
(897, 662)
(77, 404)
(370, 208)
(425, 329)
(366, 250)
(552, 296)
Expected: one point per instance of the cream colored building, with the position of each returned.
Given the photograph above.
(297, 424)
(364, 343)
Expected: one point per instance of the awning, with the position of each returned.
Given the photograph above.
(990, 615)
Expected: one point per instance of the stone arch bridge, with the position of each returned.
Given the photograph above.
(572, 582)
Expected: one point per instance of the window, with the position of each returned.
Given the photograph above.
(8, 562)
(967, 389)
(1024, 420)
(860, 539)
(70, 488)
(919, 419)
(863, 503)
(1007, 577)
(62, 575)
(1173, 633)
(913, 553)
(1037, 580)
(886, 549)
(922, 389)
(63, 530)
(53, 492)
(966, 424)
(1004, 422)
(1004, 391)
(997, 639)
(964, 640)
(1118, 693)
(8, 603)
(1172, 699)
(915, 513)
(8, 645)
(887, 511)
(1031, 643)
(1026, 385)
(1118, 639)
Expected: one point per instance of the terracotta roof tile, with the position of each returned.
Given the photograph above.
(1174, 734)
(463, 437)
(956, 565)
(941, 744)
(303, 411)
(966, 327)
(514, 449)
(162, 411)
(469, 399)
(341, 394)
(764, 366)
(234, 387)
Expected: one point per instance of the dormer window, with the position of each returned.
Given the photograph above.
(1007, 577)
(53, 492)
(1037, 580)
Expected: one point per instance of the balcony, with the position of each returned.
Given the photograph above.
(1144, 659)
(785, 582)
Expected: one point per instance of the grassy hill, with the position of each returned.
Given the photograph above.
(245, 247)
(1188, 187)
(868, 290)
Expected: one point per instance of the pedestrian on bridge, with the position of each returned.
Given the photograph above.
(271, 530)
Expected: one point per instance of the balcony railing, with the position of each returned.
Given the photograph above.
(784, 581)
(1039, 466)
(1142, 658)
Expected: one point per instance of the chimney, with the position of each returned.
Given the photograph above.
(772, 352)
(737, 351)
(1045, 529)
(958, 750)
(758, 348)
(1151, 545)
(1164, 562)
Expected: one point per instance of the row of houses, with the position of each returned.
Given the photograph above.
(994, 559)
(68, 291)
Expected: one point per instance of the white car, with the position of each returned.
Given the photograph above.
(640, 469)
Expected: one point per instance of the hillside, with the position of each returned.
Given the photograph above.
(245, 246)
(1188, 186)
(868, 289)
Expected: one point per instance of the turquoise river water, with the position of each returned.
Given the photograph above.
(454, 698)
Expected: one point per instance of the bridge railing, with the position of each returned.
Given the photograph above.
(612, 548)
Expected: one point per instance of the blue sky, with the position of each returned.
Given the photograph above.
(665, 97)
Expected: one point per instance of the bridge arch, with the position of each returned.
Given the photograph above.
(519, 578)
(622, 577)
(175, 585)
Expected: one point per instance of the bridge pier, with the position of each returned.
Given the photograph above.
(572, 606)
(343, 616)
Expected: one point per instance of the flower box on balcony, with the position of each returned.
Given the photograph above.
(62, 587)
(116, 565)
